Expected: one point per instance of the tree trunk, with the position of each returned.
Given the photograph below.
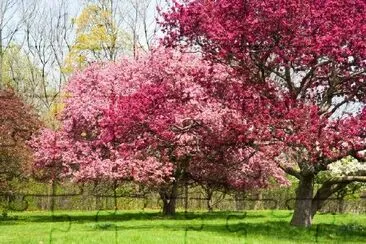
(169, 200)
(303, 213)
(169, 207)
(52, 196)
(323, 193)
(209, 193)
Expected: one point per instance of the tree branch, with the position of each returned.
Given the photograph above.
(290, 171)
(345, 179)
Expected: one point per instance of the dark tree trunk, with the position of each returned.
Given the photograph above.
(323, 193)
(169, 207)
(169, 200)
(303, 213)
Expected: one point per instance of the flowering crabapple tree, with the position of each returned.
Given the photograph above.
(314, 51)
(180, 121)
(164, 120)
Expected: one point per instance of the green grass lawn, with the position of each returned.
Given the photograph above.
(150, 227)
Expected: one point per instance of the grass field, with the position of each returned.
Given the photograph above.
(150, 227)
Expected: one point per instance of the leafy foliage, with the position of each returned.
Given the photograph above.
(17, 123)
(97, 38)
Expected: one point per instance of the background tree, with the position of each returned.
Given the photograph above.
(7, 32)
(46, 44)
(17, 123)
(97, 36)
(23, 76)
(12, 15)
(139, 19)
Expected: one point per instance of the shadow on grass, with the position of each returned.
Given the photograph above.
(269, 230)
(243, 225)
(110, 215)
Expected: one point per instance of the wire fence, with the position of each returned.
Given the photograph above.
(195, 202)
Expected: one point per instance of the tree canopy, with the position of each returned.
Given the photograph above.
(17, 123)
(313, 51)
(159, 121)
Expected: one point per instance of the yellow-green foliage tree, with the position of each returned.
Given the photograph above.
(97, 37)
